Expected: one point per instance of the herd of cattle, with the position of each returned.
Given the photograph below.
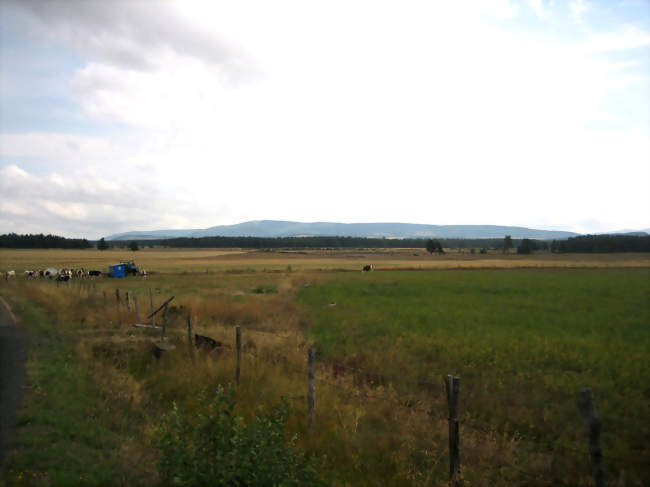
(61, 274)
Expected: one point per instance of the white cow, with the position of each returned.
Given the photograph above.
(10, 274)
(51, 272)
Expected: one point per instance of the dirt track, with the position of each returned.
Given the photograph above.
(12, 375)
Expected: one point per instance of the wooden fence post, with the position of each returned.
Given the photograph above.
(588, 409)
(95, 293)
(189, 337)
(128, 301)
(105, 299)
(153, 322)
(164, 327)
(452, 385)
(117, 304)
(311, 392)
(137, 308)
(238, 345)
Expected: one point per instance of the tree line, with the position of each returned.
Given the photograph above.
(315, 242)
(40, 241)
(582, 244)
(603, 244)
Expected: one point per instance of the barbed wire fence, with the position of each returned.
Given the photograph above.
(310, 371)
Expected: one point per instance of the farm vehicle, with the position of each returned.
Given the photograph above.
(123, 269)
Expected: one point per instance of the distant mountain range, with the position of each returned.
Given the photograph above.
(273, 228)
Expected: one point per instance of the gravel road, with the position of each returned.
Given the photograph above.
(12, 375)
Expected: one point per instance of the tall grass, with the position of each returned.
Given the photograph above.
(523, 342)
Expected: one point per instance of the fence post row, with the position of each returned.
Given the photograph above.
(452, 385)
(311, 392)
(588, 409)
(238, 346)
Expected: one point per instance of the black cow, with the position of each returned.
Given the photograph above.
(367, 268)
(94, 273)
(206, 342)
(63, 277)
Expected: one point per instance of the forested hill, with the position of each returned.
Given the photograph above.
(273, 229)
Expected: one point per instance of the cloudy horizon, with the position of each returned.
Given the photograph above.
(120, 116)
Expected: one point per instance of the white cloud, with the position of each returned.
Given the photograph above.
(354, 112)
(134, 35)
(578, 10)
(627, 37)
(541, 9)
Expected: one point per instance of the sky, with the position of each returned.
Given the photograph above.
(144, 115)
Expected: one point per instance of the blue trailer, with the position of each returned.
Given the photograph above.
(118, 270)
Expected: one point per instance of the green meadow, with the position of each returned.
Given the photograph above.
(523, 342)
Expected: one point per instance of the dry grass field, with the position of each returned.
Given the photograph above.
(200, 260)
(524, 333)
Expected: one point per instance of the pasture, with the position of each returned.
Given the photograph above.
(524, 334)
(216, 260)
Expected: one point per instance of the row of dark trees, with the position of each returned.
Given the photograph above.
(603, 244)
(582, 244)
(319, 243)
(40, 241)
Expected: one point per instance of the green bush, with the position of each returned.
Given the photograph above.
(270, 289)
(221, 449)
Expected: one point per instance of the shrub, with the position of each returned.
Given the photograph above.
(221, 449)
(270, 289)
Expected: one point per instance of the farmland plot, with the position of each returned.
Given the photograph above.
(523, 341)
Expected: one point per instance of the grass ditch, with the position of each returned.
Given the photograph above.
(68, 432)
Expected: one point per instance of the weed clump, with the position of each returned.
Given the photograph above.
(219, 448)
(270, 289)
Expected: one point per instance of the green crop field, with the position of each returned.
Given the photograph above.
(524, 342)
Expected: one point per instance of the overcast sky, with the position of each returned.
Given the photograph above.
(118, 116)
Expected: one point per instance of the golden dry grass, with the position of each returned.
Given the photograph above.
(237, 260)
(359, 425)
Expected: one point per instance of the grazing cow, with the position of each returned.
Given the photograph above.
(368, 268)
(30, 274)
(63, 277)
(79, 273)
(206, 342)
(51, 272)
(143, 273)
(94, 273)
(10, 274)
